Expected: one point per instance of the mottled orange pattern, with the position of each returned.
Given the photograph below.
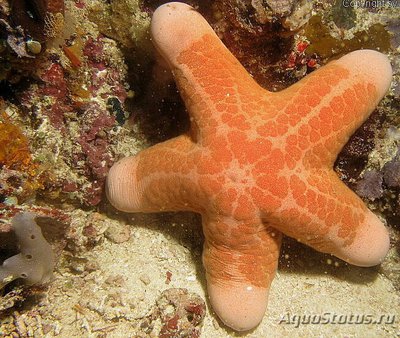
(255, 164)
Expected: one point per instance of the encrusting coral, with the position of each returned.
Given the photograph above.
(35, 262)
(14, 149)
(20, 176)
(255, 163)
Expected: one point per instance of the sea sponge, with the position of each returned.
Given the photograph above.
(35, 262)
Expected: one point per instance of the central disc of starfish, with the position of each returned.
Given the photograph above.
(255, 164)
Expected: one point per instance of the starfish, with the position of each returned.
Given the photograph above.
(255, 164)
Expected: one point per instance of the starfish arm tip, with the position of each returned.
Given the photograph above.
(375, 65)
(121, 185)
(370, 246)
(170, 32)
(241, 306)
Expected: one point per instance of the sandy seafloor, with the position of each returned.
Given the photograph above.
(113, 300)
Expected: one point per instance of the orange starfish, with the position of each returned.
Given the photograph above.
(255, 163)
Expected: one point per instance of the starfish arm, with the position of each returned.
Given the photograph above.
(325, 108)
(322, 212)
(240, 259)
(156, 179)
(208, 76)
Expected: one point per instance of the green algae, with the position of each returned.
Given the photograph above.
(343, 17)
(326, 46)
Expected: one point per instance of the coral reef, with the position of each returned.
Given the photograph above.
(25, 27)
(73, 104)
(129, 23)
(40, 19)
(61, 99)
